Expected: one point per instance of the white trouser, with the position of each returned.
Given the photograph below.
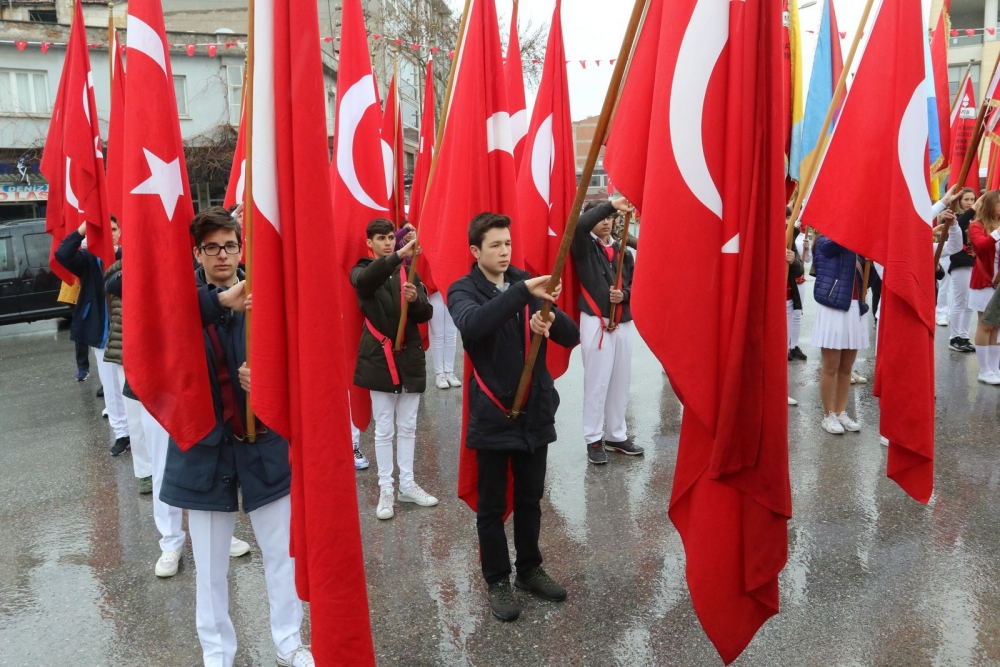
(961, 314)
(167, 518)
(794, 324)
(607, 373)
(355, 432)
(444, 336)
(141, 463)
(113, 399)
(211, 536)
(944, 291)
(404, 408)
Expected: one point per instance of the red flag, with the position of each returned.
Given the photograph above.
(425, 152)
(167, 365)
(513, 71)
(474, 173)
(939, 64)
(546, 184)
(299, 380)
(392, 154)
(73, 161)
(238, 172)
(702, 107)
(358, 178)
(899, 238)
(963, 126)
(116, 133)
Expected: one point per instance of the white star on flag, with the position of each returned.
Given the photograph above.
(164, 181)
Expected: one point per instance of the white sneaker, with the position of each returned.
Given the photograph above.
(989, 377)
(104, 413)
(858, 378)
(942, 321)
(452, 380)
(167, 564)
(848, 423)
(414, 494)
(384, 509)
(792, 402)
(831, 424)
(360, 460)
(441, 380)
(238, 548)
(300, 657)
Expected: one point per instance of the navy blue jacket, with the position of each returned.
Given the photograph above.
(210, 475)
(836, 273)
(492, 326)
(90, 315)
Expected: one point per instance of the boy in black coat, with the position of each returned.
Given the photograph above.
(494, 307)
(395, 379)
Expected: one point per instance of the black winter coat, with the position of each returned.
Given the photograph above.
(595, 272)
(493, 334)
(214, 472)
(90, 315)
(377, 283)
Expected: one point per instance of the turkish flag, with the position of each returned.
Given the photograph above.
(425, 152)
(889, 115)
(474, 173)
(392, 154)
(963, 126)
(73, 161)
(702, 109)
(358, 179)
(299, 380)
(939, 65)
(546, 184)
(163, 336)
(513, 71)
(238, 172)
(116, 133)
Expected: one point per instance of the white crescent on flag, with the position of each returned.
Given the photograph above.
(543, 156)
(912, 150)
(143, 38)
(356, 101)
(388, 159)
(498, 136)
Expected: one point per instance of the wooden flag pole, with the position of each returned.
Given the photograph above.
(248, 203)
(970, 152)
(434, 158)
(810, 166)
(600, 132)
(622, 249)
(111, 42)
(993, 163)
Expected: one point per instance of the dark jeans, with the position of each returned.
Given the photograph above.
(82, 356)
(529, 483)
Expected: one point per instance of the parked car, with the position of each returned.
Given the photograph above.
(28, 288)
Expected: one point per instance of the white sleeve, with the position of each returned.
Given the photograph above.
(938, 209)
(954, 243)
(996, 235)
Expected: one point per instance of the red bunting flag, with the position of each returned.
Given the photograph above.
(167, 365)
(190, 49)
(697, 66)
(299, 378)
(546, 184)
(899, 238)
(45, 46)
(73, 161)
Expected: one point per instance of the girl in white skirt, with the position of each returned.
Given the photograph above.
(984, 234)
(841, 328)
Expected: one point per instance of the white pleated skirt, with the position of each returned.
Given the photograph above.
(980, 298)
(840, 330)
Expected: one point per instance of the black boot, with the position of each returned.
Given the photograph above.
(536, 581)
(502, 603)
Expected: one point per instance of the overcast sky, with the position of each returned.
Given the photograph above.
(593, 29)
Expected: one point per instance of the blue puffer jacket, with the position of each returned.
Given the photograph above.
(836, 273)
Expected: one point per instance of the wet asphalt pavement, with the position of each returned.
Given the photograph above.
(873, 578)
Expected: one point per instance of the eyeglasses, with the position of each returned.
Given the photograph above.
(212, 250)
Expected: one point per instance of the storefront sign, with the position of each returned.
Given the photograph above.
(19, 193)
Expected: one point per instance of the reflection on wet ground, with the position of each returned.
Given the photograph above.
(873, 578)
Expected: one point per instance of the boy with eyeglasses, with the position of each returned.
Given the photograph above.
(209, 478)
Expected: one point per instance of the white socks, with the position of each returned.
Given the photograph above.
(994, 358)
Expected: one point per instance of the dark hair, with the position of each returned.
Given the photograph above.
(114, 219)
(379, 226)
(211, 220)
(483, 223)
(591, 205)
(788, 212)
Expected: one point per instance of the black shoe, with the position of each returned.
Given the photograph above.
(541, 584)
(624, 448)
(967, 346)
(596, 454)
(797, 353)
(790, 357)
(956, 344)
(100, 392)
(502, 603)
(121, 446)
